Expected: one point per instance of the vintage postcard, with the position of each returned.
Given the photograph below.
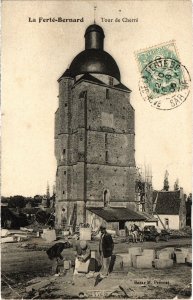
(96, 181)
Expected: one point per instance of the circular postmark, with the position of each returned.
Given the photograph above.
(164, 83)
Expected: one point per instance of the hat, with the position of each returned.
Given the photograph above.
(103, 226)
(83, 245)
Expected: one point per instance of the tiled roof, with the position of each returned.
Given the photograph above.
(88, 77)
(122, 87)
(67, 73)
(149, 218)
(167, 203)
(116, 214)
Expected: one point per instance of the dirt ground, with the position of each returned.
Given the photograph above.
(21, 264)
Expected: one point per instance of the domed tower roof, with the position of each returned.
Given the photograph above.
(94, 59)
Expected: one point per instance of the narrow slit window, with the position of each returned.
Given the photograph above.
(107, 94)
(105, 139)
(106, 156)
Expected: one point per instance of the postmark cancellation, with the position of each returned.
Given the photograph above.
(164, 81)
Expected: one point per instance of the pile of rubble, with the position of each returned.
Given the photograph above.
(186, 232)
(11, 236)
(24, 234)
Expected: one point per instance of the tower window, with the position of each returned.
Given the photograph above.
(64, 151)
(64, 172)
(106, 198)
(111, 81)
(66, 104)
(166, 222)
(107, 94)
(106, 156)
(83, 94)
(105, 139)
(63, 192)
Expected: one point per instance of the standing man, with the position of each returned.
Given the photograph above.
(106, 247)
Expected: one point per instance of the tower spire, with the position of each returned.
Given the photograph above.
(95, 7)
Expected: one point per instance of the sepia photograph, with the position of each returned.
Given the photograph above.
(96, 149)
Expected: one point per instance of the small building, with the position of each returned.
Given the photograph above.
(115, 218)
(150, 220)
(170, 208)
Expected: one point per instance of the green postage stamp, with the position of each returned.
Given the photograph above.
(164, 81)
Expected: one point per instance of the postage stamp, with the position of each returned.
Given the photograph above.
(164, 81)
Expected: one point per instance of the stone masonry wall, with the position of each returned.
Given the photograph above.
(106, 145)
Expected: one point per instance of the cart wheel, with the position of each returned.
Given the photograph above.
(157, 239)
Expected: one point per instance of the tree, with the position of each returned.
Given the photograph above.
(176, 185)
(17, 202)
(166, 182)
(5, 199)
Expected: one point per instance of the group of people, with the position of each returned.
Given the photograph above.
(83, 258)
(135, 231)
(83, 261)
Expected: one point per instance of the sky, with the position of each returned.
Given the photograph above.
(34, 56)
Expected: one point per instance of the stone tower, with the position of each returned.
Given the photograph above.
(94, 134)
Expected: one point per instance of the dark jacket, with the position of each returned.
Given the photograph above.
(56, 250)
(106, 245)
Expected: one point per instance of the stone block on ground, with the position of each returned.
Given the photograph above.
(117, 263)
(67, 264)
(4, 232)
(49, 235)
(85, 234)
(149, 253)
(134, 260)
(144, 262)
(185, 251)
(189, 259)
(164, 254)
(8, 239)
(169, 250)
(83, 266)
(180, 257)
(163, 263)
(126, 259)
(135, 250)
